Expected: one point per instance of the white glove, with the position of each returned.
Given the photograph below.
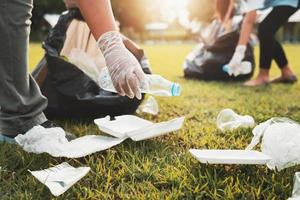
(238, 56)
(236, 61)
(124, 69)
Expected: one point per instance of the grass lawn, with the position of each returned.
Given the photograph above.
(162, 168)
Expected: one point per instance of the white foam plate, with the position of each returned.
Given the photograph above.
(230, 157)
(137, 128)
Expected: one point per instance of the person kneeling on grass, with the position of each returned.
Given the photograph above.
(21, 102)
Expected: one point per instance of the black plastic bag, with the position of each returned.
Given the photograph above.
(206, 62)
(70, 92)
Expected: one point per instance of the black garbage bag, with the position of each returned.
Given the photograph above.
(70, 92)
(206, 62)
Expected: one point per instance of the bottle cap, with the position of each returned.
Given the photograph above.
(226, 68)
(176, 89)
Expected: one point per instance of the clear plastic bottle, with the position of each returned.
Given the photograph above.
(157, 85)
(243, 68)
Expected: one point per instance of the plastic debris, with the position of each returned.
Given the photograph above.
(230, 157)
(61, 177)
(280, 141)
(149, 106)
(296, 189)
(130, 126)
(54, 142)
(229, 120)
(154, 84)
(240, 69)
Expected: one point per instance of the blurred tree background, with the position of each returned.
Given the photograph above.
(133, 15)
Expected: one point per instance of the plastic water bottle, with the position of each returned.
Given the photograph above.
(157, 85)
(243, 68)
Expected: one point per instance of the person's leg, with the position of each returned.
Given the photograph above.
(269, 47)
(21, 102)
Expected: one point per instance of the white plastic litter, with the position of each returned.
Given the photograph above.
(85, 63)
(238, 69)
(296, 190)
(61, 177)
(280, 141)
(53, 141)
(154, 84)
(149, 106)
(229, 120)
(230, 157)
(137, 128)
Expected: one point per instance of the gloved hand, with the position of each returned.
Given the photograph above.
(238, 56)
(124, 69)
(236, 60)
(71, 3)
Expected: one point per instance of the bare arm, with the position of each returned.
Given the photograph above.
(98, 15)
(241, 48)
(229, 12)
(124, 69)
(247, 27)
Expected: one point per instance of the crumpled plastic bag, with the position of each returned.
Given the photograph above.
(85, 63)
(149, 106)
(54, 142)
(210, 34)
(280, 141)
(229, 120)
(296, 189)
(61, 177)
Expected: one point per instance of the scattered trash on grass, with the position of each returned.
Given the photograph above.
(61, 177)
(230, 157)
(280, 140)
(229, 120)
(136, 128)
(54, 142)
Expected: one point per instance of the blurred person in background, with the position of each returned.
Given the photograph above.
(270, 48)
(224, 12)
(21, 102)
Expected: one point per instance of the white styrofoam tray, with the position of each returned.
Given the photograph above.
(137, 128)
(230, 157)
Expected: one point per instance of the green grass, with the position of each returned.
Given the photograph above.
(162, 168)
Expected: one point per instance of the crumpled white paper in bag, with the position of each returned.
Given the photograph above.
(149, 106)
(53, 141)
(61, 177)
(229, 120)
(85, 63)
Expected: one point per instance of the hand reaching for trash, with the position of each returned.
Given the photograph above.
(238, 56)
(124, 69)
(236, 66)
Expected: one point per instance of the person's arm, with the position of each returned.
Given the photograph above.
(125, 71)
(229, 12)
(98, 15)
(246, 30)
